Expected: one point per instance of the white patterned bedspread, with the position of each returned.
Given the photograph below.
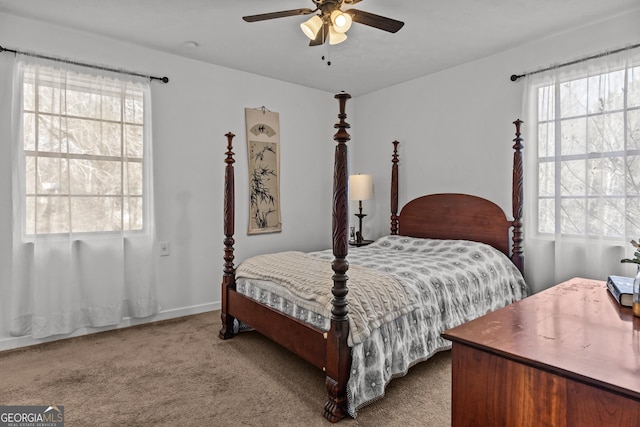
(455, 281)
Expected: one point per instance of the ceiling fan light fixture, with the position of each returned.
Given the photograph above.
(340, 21)
(311, 27)
(336, 37)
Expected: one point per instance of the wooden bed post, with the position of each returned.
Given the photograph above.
(228, 276)
(517, 198)
(394, 189)
(338, 352)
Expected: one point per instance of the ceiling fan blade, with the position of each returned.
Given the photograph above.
(350, 2)
(376, 21)
(273, 15)
(321, 37)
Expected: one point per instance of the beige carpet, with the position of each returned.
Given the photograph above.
(178, 373)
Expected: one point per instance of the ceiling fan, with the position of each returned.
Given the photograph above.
(331, 21)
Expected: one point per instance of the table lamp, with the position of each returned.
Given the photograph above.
(360, 188)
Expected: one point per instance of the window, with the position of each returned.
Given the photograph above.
(83, 246)
(83, 152)
(588, 155)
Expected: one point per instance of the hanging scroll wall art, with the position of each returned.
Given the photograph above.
(263, 148)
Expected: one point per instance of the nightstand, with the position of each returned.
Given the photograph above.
(361, 243)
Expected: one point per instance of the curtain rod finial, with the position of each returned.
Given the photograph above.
(4, 49)
(515, 77)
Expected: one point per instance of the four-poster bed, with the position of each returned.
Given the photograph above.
(447, 246)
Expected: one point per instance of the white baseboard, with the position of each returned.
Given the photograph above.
(10, 343)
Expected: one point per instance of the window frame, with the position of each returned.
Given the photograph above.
(125, 92)
(557, 158)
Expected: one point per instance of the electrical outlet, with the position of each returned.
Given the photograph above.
(164, 248)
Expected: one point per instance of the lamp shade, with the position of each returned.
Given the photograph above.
(335, 37)
(341, 21)
(360, 187)
(311, 27)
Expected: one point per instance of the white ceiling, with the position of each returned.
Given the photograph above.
(436, 35)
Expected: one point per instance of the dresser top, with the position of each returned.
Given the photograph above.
(575, 329)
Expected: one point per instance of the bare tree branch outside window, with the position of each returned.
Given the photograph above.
(589, 155)
(83, 139)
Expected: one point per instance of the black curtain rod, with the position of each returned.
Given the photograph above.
(515, 77)
(82, 64)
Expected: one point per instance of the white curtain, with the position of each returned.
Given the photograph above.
(63, 277)
(582, 180)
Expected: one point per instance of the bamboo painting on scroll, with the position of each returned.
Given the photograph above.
(263, 148)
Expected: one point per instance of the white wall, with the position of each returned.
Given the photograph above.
(455, 127)
(191, 115)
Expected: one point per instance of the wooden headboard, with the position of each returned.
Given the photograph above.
(456, 216)
(463, 216)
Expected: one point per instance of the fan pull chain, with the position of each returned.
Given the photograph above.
(328, 54)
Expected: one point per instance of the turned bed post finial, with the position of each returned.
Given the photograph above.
(338, 351)
(517, 199)
(228, 276)
(394, 188)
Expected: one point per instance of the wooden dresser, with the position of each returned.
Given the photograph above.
(567, 356)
